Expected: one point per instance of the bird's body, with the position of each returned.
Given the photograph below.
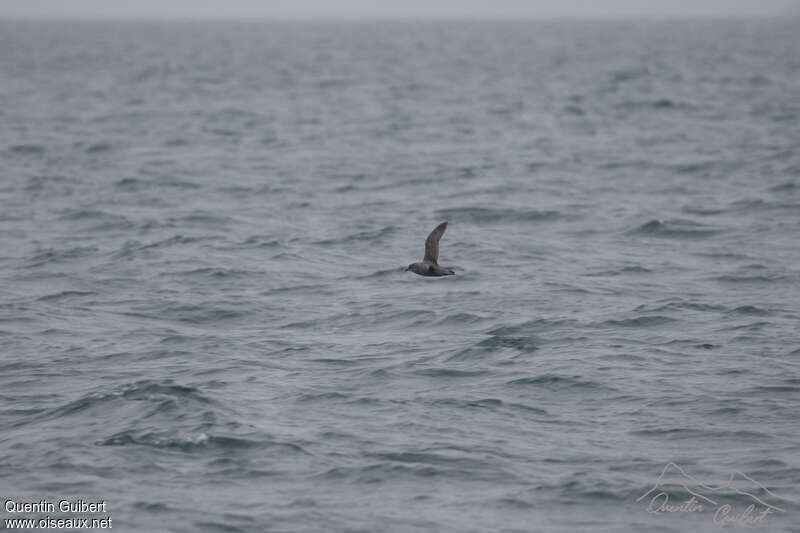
(429, 265)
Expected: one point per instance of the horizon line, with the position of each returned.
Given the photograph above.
(631, 17)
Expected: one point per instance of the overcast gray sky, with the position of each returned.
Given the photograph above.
(389, 8)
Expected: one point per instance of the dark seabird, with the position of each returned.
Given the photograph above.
(428, 266)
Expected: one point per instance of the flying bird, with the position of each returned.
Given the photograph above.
(429, 266)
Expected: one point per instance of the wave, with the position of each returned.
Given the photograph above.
(496, 343)
(130, 184)
(132, 247)
(485, 215)
(381, 274)
(381, 472)
(160, 394)
(65, 295)
(259, 241)
(757, 279)
(637, 322)
(83, 214)
(204, 313)
(195, 442)
(53, 256)
(27, 149)
(521, 338)
(212, 272)
(98, 148)
(703, 210)
(488, 403)
(203, 219)
(677, 433)
(789, 186)
(588, 490)
(693, 167)
(104, 220)
(789, 386)
(557, 381)
(363, 236)
(458, 319)
(622, 271)
(674, 229)
(680, 306)
(655, 104)
(749, 310)
(449, 373)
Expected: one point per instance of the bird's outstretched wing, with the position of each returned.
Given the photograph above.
(432, 243)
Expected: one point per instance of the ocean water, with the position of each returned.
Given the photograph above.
(205, 320)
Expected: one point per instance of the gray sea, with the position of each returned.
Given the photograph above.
(205, 320)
